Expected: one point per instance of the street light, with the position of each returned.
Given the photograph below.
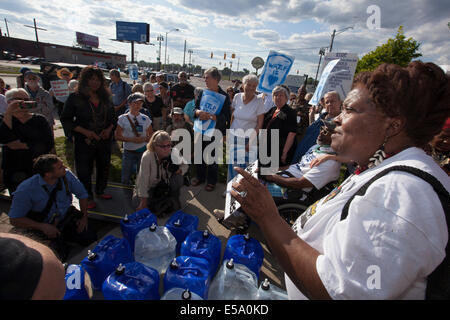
(165, 53)
(336, 33)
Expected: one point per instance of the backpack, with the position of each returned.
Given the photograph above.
(438, 284)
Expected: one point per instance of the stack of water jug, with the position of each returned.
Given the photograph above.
(186, 259)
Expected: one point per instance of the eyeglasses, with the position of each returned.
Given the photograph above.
(165, 146)
(65, 74)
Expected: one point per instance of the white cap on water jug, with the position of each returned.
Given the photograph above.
(205, 233)
(120, 269)
(91, 255)
(177, 223)
(265, 285)
(247, 236)
(125, 219)
(186, 295)
(153, 227)
(230, 264)
(174, 264)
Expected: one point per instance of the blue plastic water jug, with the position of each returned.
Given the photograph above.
(234, 281)
(105, 258)
(132, 281)
(78, 283)
(203, 244)
(245, 250)
(155, 247)
(268, 291)
(133, 223)
(181, 225)
(188, 273)
(180, 294)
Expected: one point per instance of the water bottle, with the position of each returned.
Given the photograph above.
(245, 250)
(180, 294)
(131, 224)
(203, 244)
(78, 283)
(188, 273)
(233, 281)
(105, 258)
(269, 291)
(155, 247)
(181, 225)
(132, 281)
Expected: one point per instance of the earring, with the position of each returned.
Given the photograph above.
(378, 156)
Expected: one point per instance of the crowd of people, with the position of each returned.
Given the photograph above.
(384, 139)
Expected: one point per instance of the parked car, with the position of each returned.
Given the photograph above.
(26, 59)
(8, 55)
(37, 60)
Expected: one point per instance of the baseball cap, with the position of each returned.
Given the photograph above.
(178, 110)
(135, 97)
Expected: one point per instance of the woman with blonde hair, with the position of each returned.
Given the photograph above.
(160, 175)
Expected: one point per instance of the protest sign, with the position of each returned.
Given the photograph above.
(322, 88)
(341, 78)
(60, 89)
(211, 102)
(275, 71)
(133, 71)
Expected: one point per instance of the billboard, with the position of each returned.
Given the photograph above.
(87, 40)
(132, 31)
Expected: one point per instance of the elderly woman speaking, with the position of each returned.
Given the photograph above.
(382, 233)
(246, 121)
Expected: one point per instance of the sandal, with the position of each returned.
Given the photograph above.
(210, 187)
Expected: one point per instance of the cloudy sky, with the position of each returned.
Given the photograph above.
(248, 28)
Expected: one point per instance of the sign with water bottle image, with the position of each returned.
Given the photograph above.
(275, 71)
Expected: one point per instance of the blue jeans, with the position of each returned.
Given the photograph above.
(131, 161)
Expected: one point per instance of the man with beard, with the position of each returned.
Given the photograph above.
(178, 122)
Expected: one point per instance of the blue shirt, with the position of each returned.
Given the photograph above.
(31, 195)
(120, 91)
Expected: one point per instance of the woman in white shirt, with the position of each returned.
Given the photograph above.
(388, 240)
(246, 121)
(134, 129)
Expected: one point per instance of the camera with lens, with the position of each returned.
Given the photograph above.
(169, 165)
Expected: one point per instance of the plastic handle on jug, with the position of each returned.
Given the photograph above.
(186, 295)
(153, 227)
(120, 269)
(265, 285)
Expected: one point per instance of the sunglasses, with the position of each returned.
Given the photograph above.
(65, 74)
(165, 146)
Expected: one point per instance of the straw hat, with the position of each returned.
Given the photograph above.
(62, 70)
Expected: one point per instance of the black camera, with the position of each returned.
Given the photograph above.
(169, 165)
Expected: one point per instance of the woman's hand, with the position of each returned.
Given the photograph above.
(321, 159)
(257, 202)
(82, 224)
(142, 204)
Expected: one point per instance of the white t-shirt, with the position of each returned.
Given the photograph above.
(245, 116)
(144, 123)
(391, 240)
(268, 103)
(319, 175)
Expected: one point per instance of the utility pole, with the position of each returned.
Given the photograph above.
(335, 34)
(132, 51)
(160, 38)
(321, 53)
(35, 29)
(190, 65)
(7, 30)
(184, 56)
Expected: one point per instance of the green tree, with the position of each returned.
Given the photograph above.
(398, 51)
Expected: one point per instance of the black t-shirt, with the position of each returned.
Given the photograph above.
(38, 136)
(182, 92)
(154, 107)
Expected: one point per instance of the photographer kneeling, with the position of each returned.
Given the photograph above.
(160, 177)
(43, 204)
